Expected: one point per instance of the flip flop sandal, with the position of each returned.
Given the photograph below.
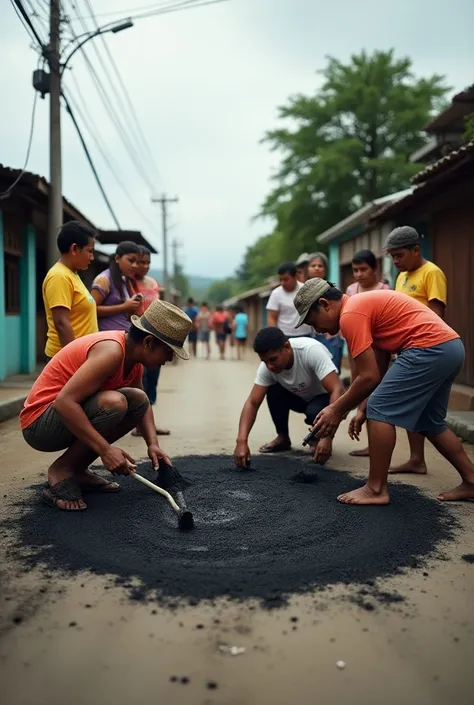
(163, 432)
(107, 486)
(68, 490)
(277, 448)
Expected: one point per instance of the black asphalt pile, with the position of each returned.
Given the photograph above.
(258, 534)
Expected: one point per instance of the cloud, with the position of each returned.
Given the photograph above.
(206, 84)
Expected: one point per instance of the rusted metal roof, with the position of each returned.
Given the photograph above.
(35, 183)
(444, 163)
(452, 118)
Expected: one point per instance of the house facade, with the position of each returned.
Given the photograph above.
(23, 266)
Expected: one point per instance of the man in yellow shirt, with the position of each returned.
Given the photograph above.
(425, 282)
(70, 309)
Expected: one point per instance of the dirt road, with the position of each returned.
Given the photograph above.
(82, 640)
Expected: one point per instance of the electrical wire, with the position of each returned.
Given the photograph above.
(80, 108)
(9, 190)
(146, 150)
(158, 8)
(91, 163)
(27, 24)
(131, 148)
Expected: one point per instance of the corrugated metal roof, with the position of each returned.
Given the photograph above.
(360, 217)
(444, 163)
(39, 183)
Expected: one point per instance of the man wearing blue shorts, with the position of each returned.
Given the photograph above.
(412, 394)
(192, 311)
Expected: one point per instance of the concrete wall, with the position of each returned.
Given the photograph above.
(12, 345)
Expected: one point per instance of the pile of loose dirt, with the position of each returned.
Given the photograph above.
(256, 533)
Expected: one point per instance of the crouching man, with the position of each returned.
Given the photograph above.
(90, 395)
(295, 374)
(412, 394)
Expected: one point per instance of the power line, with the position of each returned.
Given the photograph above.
(91, 163)
(90, 126)
(185, 5)
(110, 109)
(8, 191)
(146, 149)
(156, 8)
(27, 23)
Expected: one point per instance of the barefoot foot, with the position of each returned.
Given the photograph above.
(462, 493)
(362, 453)
(278, 445)
(364, 495)
(411, 466)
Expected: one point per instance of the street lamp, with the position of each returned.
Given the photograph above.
(114, 29)
(51, 83)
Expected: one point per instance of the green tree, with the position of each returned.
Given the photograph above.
(219, 291)
(469, 124)
(348, 143)
(181, 282)
(260, 261)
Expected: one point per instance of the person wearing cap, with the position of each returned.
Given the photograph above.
(91, 394)
(302, 267)
(412, 394)
(294, 375)
(425, 282)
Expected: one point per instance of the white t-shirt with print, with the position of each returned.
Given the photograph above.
(282, 301)
(312, 363)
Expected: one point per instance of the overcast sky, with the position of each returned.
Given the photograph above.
(206, 84)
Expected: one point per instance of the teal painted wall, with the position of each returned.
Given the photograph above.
(3, 337)
(12, 345)
(334, 271)
(28, 301)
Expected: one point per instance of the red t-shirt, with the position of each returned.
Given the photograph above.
(62, 367)
(390, 321)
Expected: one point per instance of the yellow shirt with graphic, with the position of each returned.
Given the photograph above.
(64, 288)
(425, 284)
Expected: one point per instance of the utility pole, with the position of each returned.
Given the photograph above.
(55, 219)
(164, 201)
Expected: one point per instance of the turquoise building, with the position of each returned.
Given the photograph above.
(23, 266)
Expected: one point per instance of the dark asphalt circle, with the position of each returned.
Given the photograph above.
(257, 534)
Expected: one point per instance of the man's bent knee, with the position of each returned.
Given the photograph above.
(112, 401)
(137, 401)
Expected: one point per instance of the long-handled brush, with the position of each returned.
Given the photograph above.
(173, 480)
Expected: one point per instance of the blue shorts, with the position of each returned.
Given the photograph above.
(204, 336)
(414, 393)
(193, 336)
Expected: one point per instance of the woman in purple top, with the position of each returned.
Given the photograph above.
(113, 289)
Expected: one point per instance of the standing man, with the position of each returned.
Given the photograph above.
(70, 309)
(219, 324)
(426, 283)
(281, 310)
(295, 375)
(412, 394)
(192, 311)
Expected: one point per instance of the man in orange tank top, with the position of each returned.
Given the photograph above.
(91, 394)
(412, 394)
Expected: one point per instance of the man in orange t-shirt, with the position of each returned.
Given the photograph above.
(91, 394)
(412, 394)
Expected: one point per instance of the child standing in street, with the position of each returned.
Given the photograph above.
(241, 321)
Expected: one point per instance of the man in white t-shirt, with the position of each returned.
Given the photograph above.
(295, 375)
(280, 307)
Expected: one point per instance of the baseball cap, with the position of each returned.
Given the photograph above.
(302, 259)
(309, 293)
(403, 236)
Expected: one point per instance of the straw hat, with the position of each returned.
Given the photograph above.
(167, 323)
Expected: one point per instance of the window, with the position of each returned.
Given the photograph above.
(12, 285)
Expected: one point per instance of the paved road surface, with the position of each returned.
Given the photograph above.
(121, 653)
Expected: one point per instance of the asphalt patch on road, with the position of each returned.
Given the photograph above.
(267, 533)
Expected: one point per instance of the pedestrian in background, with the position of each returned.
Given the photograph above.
(220, 326)
(426, 282)
(302, 267)
(281, 311)
(149, 290)
(70, 309)
(319, 267)
(203, 324)
(240, 325)
(192, 312)
(367, 278)
(113, 289)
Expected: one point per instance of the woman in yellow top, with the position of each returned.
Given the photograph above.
(70, 309)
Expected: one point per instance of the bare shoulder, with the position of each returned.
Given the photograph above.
(110, 350)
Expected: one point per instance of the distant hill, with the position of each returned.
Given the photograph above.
(196, 282)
